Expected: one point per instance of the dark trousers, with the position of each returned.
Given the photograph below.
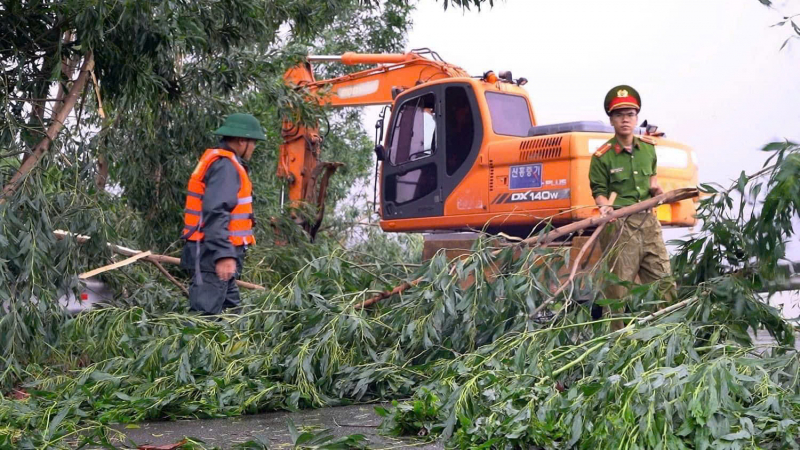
(214, 295)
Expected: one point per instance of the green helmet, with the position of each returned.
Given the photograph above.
(243, 126)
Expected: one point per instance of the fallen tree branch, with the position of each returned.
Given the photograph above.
(668, 197)
(378, 297)
(60, 234)
(667, 310)
(57, 123)
(665, 198)
(170, 277)
(575, 264)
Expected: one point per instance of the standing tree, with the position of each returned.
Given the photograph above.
(123, 95)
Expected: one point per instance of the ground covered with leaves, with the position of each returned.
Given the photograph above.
(460, 349)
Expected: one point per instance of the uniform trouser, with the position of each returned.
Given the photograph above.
(213, 295)
(637, 248)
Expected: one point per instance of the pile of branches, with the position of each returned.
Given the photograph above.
(461, 344)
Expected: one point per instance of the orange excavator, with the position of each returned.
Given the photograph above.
(463, 152)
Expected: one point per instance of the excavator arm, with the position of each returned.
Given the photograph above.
(299, 160)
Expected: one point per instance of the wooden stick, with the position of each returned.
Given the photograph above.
(100, 111)
(575, 264)
(387, 294)
(170, 277)
(116, 265)
(668, 197)
(61, 234)
(667, 310)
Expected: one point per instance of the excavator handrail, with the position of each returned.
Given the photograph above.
(403, 70)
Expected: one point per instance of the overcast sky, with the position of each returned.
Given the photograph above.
(710, 72)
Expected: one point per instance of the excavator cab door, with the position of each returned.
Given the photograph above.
(410, 171)
(434, 139)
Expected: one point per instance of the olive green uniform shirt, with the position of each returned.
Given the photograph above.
(614, 169)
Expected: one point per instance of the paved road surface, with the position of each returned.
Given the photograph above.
(225, 433)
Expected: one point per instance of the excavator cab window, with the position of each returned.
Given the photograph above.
(412, 185)
(414, 134)
(459, 127)
(510, 114)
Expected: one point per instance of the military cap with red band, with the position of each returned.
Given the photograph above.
(622, 96)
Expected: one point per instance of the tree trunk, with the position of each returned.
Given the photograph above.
(67, 70)
(102, 173)
(57, 123)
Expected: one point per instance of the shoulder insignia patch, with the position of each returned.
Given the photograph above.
(603, 148)
(648, 140)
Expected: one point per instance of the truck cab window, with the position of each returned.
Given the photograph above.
(414, 131)
(459, 127)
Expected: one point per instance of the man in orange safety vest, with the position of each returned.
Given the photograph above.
(218, 218)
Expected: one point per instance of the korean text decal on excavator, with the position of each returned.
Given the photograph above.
(464, 152)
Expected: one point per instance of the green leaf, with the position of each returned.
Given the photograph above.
(646, 334)
(576, 431)
(54, 424)
(743, 179)
(741, 434)
(707, 188)
(292, 431)
(590, 388)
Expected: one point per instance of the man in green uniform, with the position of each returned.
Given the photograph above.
(626, 164)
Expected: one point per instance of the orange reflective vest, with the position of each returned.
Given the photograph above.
(241, 223)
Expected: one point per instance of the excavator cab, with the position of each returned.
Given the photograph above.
(434, 138)
(434, 173)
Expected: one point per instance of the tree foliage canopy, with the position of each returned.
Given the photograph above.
(167, 73)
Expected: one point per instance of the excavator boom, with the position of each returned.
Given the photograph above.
(374, 86)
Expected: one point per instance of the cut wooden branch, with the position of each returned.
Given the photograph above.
(383, 295)
(125, 251)
(170, 277)
(116, 265)
(57, 123)
(408, 284)
(100, 111)
(575, 264)
(666, 198)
